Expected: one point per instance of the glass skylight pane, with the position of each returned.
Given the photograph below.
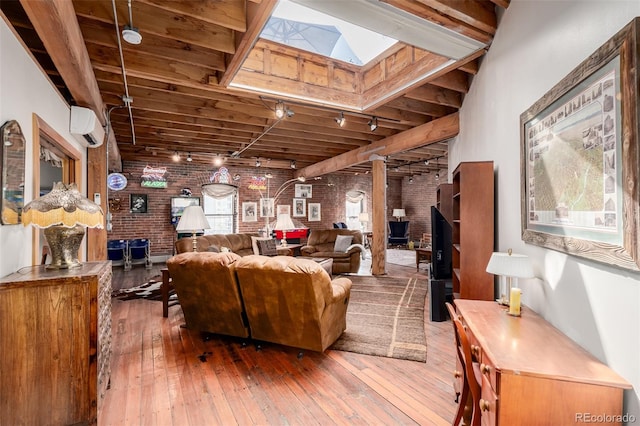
(303, 28)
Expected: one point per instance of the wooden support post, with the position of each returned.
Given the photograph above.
(379, 220)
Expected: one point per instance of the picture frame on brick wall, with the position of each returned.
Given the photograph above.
(138, 203)
(299, 207)
(249, 212)
(314, 212)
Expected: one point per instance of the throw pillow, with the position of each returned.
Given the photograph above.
(268, 247)
(225, 250)
(342, 243)
(254, 243)
(213, 248)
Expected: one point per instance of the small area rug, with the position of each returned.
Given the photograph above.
(401, 257)
(385, 318)
(149, 290)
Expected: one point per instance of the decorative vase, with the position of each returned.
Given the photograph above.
(64, 244)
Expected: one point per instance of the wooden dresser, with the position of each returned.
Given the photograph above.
(55, 337)
(532, 374)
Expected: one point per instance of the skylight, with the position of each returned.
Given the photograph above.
(303, 28)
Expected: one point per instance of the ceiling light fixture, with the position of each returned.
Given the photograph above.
(280, 111)
(176, 156)
(410, 180)
(217, 160)
(130, 34)
(189, 159)
(340, 119)
(258, 163)
(293, 164)
(426, 162)
(373, 123)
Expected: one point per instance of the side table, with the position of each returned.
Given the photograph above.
(422, 254)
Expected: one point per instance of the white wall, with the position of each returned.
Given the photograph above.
(25, 90)
(537, 44)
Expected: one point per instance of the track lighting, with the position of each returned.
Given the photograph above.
(189, 159)
(293, 164)
(280, 109)
(373, 124)
(176, 156)
(340, 119)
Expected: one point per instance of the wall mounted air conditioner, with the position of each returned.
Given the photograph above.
(85, 127)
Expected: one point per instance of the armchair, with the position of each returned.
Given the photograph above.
(398, 232)
(293, 301)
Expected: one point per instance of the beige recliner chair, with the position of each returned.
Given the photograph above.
(293, 301)
(207, 289)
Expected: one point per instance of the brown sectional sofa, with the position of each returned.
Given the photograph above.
(281, 299)
(240, 244)
(321, 244)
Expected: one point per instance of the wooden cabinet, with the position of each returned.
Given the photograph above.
(444, 200)
(533, 374)
(473, 230)
(55, 335)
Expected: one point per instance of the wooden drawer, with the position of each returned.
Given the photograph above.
(488, 370)
(488, 403)
(476, 349)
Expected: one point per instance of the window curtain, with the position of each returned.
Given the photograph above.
(355, 196)
(219, 190)
(50, 157)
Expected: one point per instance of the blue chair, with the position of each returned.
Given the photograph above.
(140, 253)
(340, 225)
(399, 233)
(117, 252)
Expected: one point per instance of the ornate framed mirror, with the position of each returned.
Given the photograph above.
(13, 166)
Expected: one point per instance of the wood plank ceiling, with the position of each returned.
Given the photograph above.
(184, 77)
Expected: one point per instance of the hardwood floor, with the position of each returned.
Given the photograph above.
(164, 374)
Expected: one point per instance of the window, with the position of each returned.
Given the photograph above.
(354, 206)
(221, 214)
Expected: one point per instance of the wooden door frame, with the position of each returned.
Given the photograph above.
(72, 169)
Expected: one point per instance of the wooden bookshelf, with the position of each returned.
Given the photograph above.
(472, 230)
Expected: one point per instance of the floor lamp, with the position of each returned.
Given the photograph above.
(193, 220)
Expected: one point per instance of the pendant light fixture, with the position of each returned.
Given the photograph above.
(130, 34)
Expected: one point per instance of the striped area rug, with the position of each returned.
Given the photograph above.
(385, 317)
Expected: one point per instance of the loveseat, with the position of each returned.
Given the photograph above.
(293, 301)
(207, 288)
(281, 299)
(322, 243)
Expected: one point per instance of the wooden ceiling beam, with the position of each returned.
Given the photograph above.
(432, 132)
(419, 8)
(226, 13)
(104, 34)
(474, 13)
(257, 15)
(152, 20)
(436, 95)
(58, 28)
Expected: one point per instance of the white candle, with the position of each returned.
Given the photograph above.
(514, 301)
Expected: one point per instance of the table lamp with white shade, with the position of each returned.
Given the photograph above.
(364, 219)
(284, 224)
(511, 266)
(193, 220)
(398, 214)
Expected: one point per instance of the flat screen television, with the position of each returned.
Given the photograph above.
(441, 245)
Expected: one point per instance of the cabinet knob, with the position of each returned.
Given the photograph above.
(484, 368)
(475, 350)
(457, 374)
(484, 405)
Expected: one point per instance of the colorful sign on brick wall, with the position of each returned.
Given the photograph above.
(154, 177)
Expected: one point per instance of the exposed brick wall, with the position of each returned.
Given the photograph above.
(329, 191)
